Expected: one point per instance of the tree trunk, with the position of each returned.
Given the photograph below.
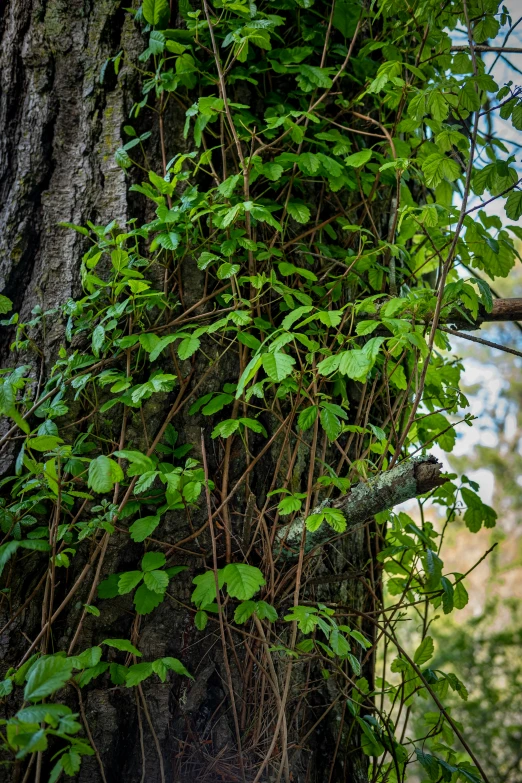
(59, 128)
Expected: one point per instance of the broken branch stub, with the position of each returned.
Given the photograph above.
(407, 480)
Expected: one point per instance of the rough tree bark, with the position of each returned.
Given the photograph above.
(59, 128)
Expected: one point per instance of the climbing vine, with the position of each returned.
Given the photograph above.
(285, 290)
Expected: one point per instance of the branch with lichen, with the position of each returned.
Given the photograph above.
(407, 480)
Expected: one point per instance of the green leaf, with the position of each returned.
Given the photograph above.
(369, 742)
(437, 167)
(244, 611)
(146, 600)
(253, 424)
(139, 463)
(242, 580)
(339, 643)
(486, 28)
(6, 687)
(153, 560)
(201, 620)
(104, 473)
(290, 319)
(424, 651)
(156, 12)
(108, 588)
(98, 338)
(513, 205)
(266, 611)
(278, 365)
(330, 424)
(225, 428)
(46, 676)
(307, 417)
(516, 118)
(335, 518)
(363, 641)
(460, 594)
(358, 158)
(44, 442)
(128, 581)
(205, 592)
(158, 581)
(345, 17)
(366, 327)
(355, 364)
(272, 171)
(176, 666)
(144, 527)
(309, 163)
(7, 395)
(288, 505)
(137, 673)
(87, 659)
(71, 762)
(298, 211)
(227, 270)
(5, 304)
(188, 346)
(122, 644)
(227, 187)
(314, 521)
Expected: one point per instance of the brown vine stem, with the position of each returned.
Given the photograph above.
(89, 733)
(153, 732)
(220, 610)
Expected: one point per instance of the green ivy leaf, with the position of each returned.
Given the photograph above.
(44, 442)
(266, 611)
(128, 581)
(144, 527)
(314, 521)
(156, 12)
(152, 561)
(188, 347)
(123, 645)
(460, 594)
(298, 211)
(145, 600)
(330, 424)
(137, 673)
(358, 158)
(244, 611)
(158, 581)
(242, 580)
(277, 365)
(513, 205)
(205, 592)
(104, 473)
(176, 666)
(47, 675)
(335, 518)
(424, 651)
(5, 304)
(201, 620)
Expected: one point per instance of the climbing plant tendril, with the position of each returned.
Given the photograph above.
(248, 384)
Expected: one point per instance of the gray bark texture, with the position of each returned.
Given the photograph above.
(59, 128)
(385, 491)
